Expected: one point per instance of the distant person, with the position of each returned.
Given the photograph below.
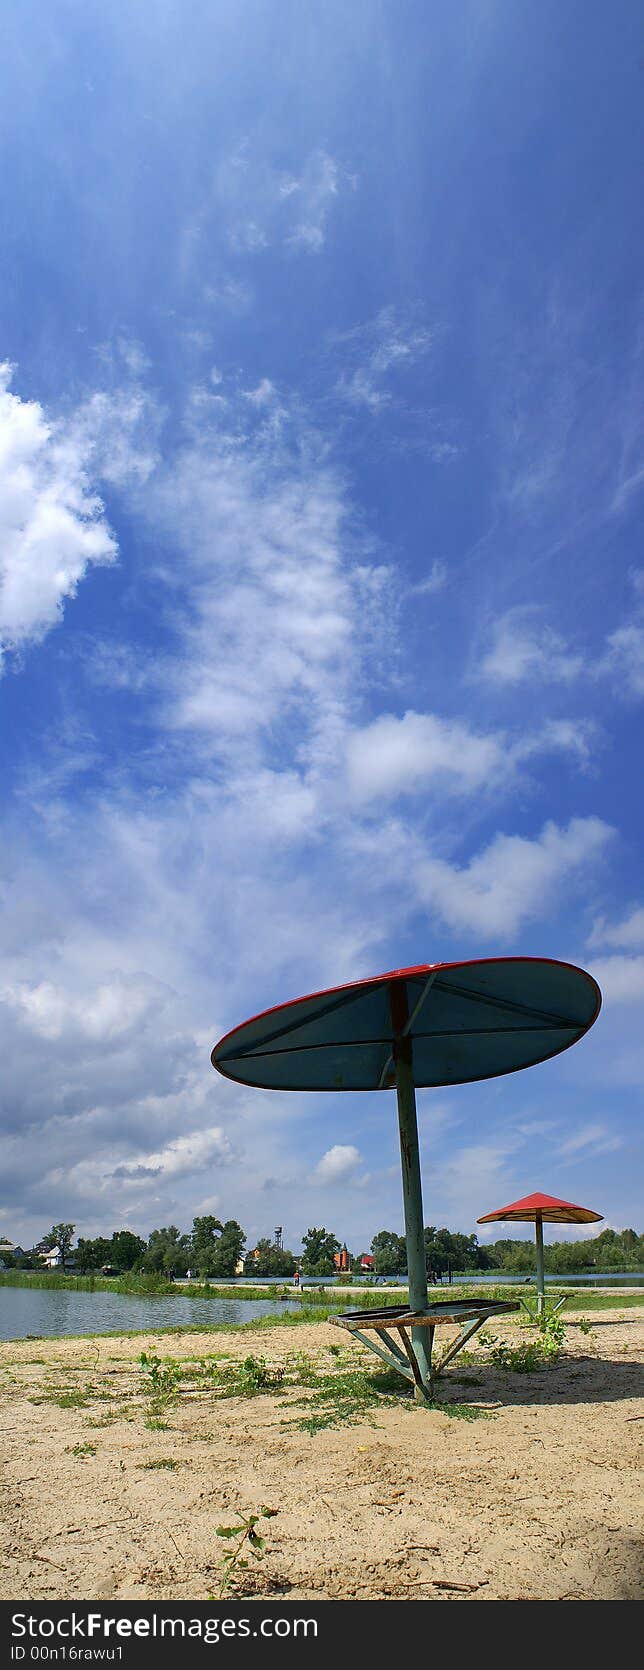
(188, 1275)
(296, 1279)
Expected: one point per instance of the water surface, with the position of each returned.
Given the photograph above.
(59, 1311)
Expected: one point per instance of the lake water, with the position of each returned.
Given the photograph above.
(59, 1311)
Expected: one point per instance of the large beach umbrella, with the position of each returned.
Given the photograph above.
(540, 1209)
(435, 1024)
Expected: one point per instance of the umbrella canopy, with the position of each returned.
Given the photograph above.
(546, 1207)
(466, 1021)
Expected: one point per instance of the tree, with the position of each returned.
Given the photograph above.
(272, 1260)
(125, 1249)
(206, 1234)
(61, 1236)
(390, 1253)
(91, 1255)
(167, 1252)
(227, 1250)
(319, 1245)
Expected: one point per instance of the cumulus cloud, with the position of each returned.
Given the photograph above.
(514, 879)
(180, 1158)
(392, 755)
(621, 979)
(339, 1163)
(52, 524)
(103, 1015)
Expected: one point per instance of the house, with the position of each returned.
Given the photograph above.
(52, 1259)
(342, 1260)
(366, 1262)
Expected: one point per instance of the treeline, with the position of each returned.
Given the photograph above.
(444, 1250)
(213, 1249)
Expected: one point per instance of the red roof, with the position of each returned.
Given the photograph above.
(551, 1211)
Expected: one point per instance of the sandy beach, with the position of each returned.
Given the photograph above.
(528, 1489)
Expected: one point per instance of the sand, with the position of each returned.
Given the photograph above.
(535, 1496)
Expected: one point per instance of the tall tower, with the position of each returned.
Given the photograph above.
(278, 1236)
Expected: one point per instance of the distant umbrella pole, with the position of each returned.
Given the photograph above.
(541, 1274)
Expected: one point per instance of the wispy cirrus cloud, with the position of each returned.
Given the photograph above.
(593, 1138)
(375, 355)
(264, 205)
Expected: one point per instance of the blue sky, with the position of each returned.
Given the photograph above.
(322, 607)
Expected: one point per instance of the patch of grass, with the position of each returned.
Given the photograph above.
(347, 1398)
(463, 1411)
(167, 1462)
(80, 1449)
(71, 1399)
(467, 1379)
(154, 1424)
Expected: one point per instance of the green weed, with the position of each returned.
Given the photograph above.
(247, 1538)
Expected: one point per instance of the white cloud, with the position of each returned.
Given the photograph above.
(393, 756)
(628, 934)
(180, 1158)
(275, 611)
(514, 880)
(118, 435)
(621, 979)
(593, 1138)
(623, 659)
(338, 1163)
(375, 354)
(523, 647)
(436, 580)
(103, 1014)
(263, 207)
(52, 525)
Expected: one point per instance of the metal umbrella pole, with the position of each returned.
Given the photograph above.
(422, 1338)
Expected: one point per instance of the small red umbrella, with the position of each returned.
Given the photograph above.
(539, 1209)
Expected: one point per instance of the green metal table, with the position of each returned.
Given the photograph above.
(472, 1313)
